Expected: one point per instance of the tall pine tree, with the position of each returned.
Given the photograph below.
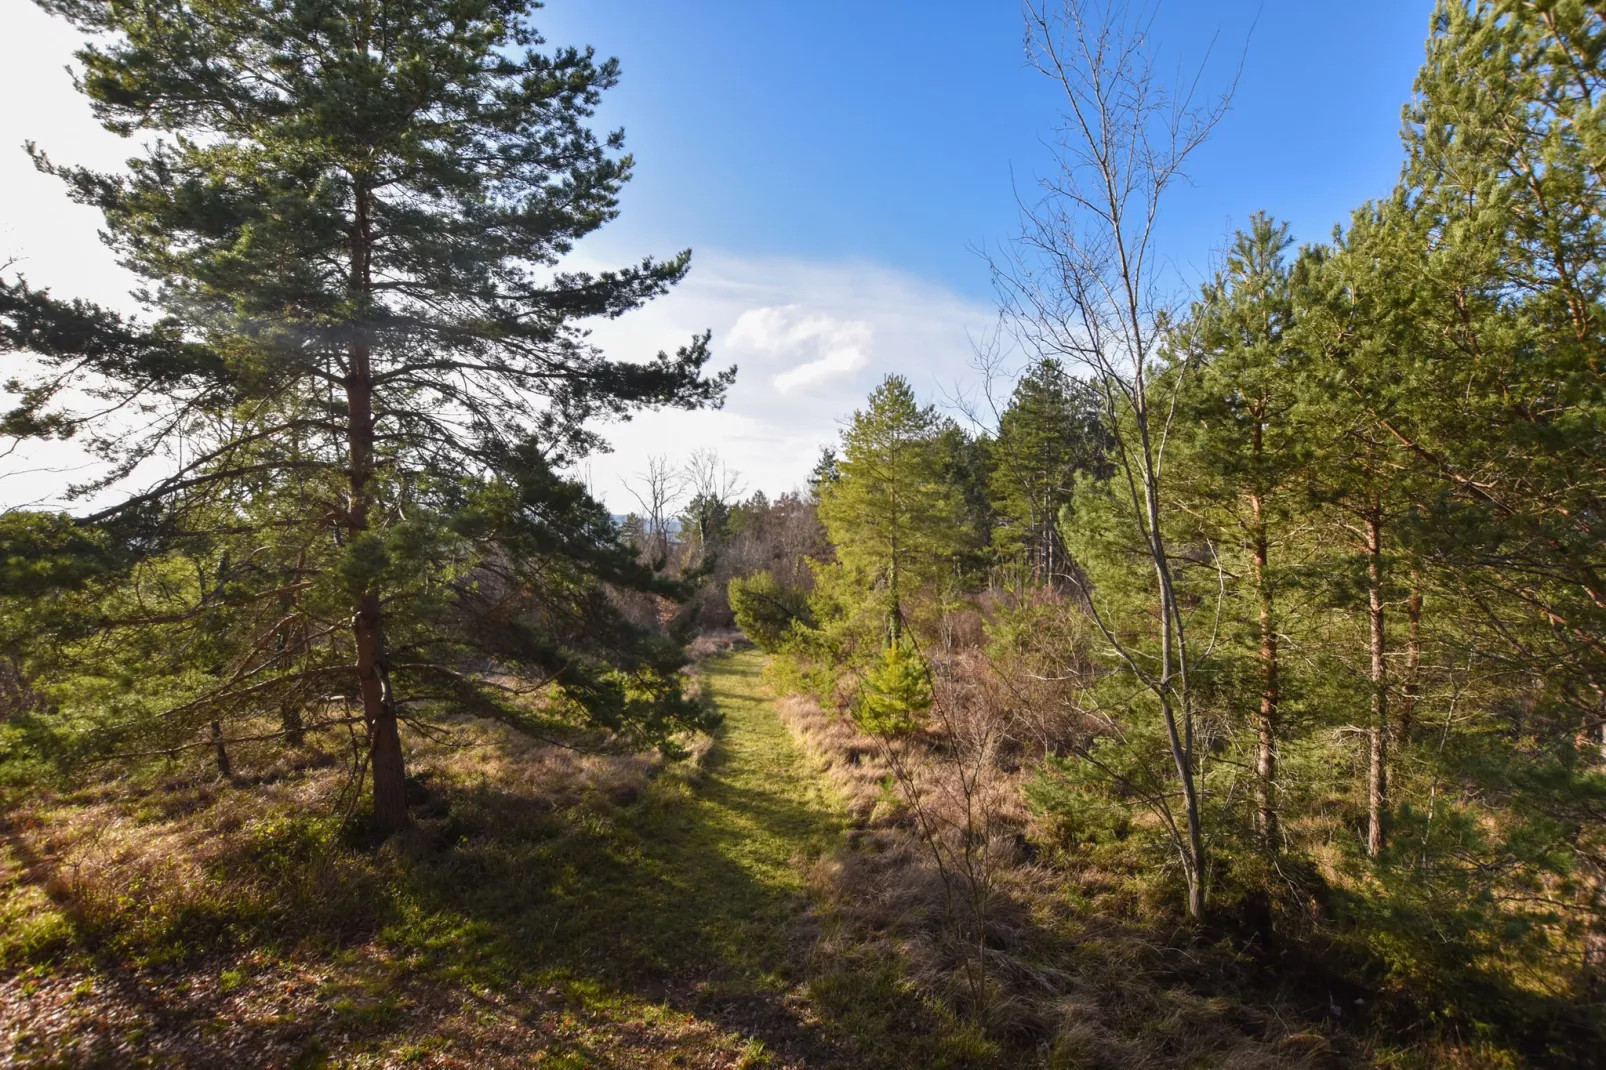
(1242, 446)
(1050, 431)
(892, 516)
(353, 217)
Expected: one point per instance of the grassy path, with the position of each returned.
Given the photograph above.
(701, 879)
(765, 811)
(615, 923)
(728, 859)
(763, 808)
(695, 898)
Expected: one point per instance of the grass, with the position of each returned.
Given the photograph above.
(756, 905)
(551, 909)
(712, 877)
(698, 882)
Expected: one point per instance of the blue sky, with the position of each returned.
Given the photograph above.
(834, 165)
(894, 132)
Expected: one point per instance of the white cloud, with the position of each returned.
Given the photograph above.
(838, 347)
(810, 341)
(811, 338)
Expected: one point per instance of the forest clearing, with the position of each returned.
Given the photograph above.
(1210, 672)
(552, 910)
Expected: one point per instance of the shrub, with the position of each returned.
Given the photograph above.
(897, 688)
(766, 610)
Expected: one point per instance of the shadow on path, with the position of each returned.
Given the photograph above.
(694, 898)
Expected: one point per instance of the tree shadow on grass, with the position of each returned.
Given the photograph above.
(618, 929)
(649, 902)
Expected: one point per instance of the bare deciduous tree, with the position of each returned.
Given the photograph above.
(657, 491)
(708, 476)
(1083, 284)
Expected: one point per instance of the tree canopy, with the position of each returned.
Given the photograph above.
(370, 367)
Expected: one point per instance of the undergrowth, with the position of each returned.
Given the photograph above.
(605, 909)
(1089, 962)
(761, 902)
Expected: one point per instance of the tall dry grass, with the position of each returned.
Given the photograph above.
(944, 871)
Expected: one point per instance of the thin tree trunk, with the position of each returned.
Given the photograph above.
(1590, 735)
(367, 624)
(1173, 680)
(1049, 538)
(224, 768)
(1594, 950)
(1594, 873)
(293, 644)
(895, 621)
(1266, 724)
(1377, 774)
(1193, 858)
(295, 733)
(290, 709)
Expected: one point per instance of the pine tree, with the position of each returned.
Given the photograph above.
(1504, 196)
(1050, 431)
(889, 512)
(1242, 446)
(897, 690)
(965, 465)
(1479, 287)
(353, 219)
(1356, 472)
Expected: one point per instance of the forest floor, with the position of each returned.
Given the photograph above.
(629, 917)
(752, 904)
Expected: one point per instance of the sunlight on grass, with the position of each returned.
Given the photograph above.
(591, 911)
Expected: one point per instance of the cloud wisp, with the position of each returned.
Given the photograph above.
(811, 340)
(834, 348)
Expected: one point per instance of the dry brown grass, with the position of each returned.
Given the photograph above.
(1065, 987)
(157, 848)
(167, 916)
(711, 644)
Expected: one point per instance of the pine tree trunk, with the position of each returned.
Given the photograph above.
(1266, 724)
(895, 618)
(373, 678)
(386, 766)
(367, 624)
(224, 768)
(1377, 733)
(1050, 538)
(290, 719)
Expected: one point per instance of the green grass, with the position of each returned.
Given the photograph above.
(740, 845)
(613, 922)
(664, 926)
(586, 928)
(702, 877)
